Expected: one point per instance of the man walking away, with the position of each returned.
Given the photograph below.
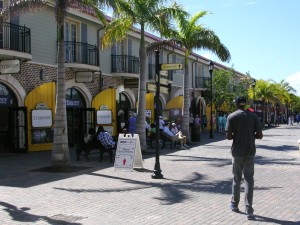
(243, 127)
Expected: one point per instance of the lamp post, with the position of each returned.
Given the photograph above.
(253, 86)
(211, 68)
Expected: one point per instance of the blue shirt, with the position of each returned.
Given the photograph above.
(106, 139)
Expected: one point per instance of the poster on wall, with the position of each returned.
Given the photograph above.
(41, 118)
(42, 136)
(104, 117)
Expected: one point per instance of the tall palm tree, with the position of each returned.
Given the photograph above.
(193, 36)
(264, 90)
(150, 14)
(60, 150)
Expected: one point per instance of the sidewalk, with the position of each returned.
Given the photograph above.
(195, 190)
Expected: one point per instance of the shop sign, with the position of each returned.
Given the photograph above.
(84, 77)
(131, 83)
(73, 103)
(10, 66)
(104, 117)
(4, 100)
(41, 118)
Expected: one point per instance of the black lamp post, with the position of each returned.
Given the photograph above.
(211, 68)
(253, 85)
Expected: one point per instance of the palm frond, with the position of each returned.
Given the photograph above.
(116, 31)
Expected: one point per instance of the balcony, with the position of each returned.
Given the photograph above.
(81, 56)
(125, 65)
(15, 41)
(202, 82)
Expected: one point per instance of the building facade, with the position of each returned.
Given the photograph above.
(100, 83)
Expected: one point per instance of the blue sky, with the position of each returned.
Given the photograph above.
(263, 36)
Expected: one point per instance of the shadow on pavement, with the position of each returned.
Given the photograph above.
(27, 170)
(20, 214)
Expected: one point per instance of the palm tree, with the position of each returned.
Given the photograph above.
(151, 14)
(60, 150)
(264, 90)
(194, 37)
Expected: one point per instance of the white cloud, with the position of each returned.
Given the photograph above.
(294, 81)
(207, 55)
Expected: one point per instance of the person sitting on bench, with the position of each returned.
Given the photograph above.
(106, 139)
(175, 137)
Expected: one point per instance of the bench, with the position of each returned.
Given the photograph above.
(93, 145)
(166, 138)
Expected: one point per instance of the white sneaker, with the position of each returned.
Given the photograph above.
(186, 146)
(182, 147)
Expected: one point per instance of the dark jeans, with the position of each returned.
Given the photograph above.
(243, 165)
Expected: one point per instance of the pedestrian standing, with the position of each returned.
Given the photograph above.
(243, 127)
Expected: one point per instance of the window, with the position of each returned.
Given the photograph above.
(71, 37)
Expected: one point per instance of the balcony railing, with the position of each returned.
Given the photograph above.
(14, 37)
(202, 82)
(125, 64)
(83, 53)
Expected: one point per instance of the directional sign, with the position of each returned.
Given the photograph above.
(163, 81)
(177, 66)
(152, 87)
(164, 90)
(163, 72)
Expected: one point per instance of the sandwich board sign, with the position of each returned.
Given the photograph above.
(128, 153)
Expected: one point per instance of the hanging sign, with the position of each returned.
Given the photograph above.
(128, 153)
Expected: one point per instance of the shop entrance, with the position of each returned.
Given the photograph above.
(79, 118)
(123, 108)
(13, 123)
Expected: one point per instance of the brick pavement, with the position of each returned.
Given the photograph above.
(195, 190)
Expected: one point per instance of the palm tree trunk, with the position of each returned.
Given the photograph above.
(141, 116)
(60, 150)
(186, 101)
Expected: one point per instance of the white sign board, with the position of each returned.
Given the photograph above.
(84, 77)
(104, 117)
(128, 153)
(41, 118)
(10, 66)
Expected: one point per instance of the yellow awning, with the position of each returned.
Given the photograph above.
(175, 103)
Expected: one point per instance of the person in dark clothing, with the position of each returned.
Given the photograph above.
(243, 127)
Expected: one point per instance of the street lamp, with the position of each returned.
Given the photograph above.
(211, 68)
(253, 85)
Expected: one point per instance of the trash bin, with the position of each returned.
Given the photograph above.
(196, 134)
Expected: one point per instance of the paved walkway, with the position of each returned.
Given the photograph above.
(195, 190)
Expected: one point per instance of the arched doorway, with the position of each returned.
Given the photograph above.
(76, 118)
(123, 109)
(9, 120)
